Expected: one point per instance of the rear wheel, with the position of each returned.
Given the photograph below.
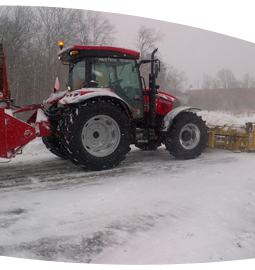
(96, 136)
(187, 136)
(52, 142)
(54, 145)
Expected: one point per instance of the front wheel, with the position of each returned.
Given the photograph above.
(96, 136)
(187, 136)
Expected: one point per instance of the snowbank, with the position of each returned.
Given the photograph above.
(222, 118)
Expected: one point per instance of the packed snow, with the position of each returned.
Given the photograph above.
(150, 210)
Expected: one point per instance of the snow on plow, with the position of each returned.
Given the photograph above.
(239, 138)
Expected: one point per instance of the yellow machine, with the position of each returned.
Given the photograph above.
(232, 137)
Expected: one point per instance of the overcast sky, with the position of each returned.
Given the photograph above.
(198, 39)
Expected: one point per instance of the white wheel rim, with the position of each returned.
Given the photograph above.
(189, 136)
(100, 136)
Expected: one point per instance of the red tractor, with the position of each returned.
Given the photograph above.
(106, 108)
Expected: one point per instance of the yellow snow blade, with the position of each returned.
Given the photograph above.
(232, 137)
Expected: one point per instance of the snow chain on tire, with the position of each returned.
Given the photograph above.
(96, 135)
(54, 145)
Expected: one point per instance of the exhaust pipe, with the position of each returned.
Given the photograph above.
(153, 91)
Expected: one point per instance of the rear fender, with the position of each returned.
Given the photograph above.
(168, 119)
(85, 94)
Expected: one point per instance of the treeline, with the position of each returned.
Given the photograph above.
(30, 36)
(225, 79)
(224, 92)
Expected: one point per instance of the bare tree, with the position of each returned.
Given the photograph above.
(30, 36)
(146, 40)
(171, 80)
(207, 82)
(17, 30)
(248, 81)
(94, 28)
(55, 24)
(216, 83)
(177, 80)
(227, 78)
(17, 27)
(4, 25)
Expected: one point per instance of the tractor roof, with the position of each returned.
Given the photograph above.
(74, 52)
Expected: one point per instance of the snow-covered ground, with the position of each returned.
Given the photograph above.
(151, 209)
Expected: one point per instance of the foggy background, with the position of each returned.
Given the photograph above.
(199, 59)
(197, 39)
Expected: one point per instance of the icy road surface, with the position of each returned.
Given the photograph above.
(152, 209)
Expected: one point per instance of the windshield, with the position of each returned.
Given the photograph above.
(120, 75)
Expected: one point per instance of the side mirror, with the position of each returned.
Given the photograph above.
(157, 67)
(156, 70)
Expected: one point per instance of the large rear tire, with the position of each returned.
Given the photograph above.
(187, 136)
(54, 145)
(53, 142)
(96, 135)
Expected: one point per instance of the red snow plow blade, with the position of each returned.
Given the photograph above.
(15, 134)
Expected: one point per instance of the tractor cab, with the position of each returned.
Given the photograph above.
(103, 112)
(111, 68)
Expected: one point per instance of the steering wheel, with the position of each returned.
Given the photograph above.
(115, 83)
(115, 86)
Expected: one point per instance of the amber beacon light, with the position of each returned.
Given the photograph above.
(61, 45)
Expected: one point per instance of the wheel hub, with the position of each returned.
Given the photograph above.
(96, 134)
(189, 136)
(100, 135)
(186, 136)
